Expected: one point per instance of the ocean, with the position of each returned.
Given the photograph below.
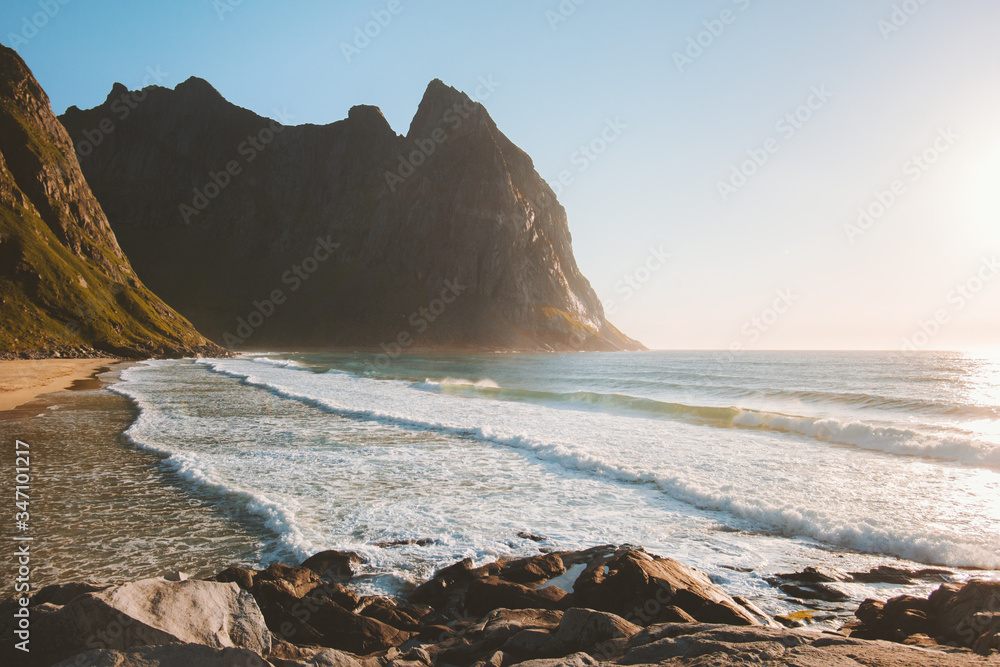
(742, 466)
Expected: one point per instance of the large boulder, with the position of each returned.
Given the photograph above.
(971, 615)
(489, 593)
(334, 565)
(964, 614)
(320, 621)
(641, 588)
(595, 632)
(299, 580)
(533, 571)
(446, 591)
(147, 613)
(896, 619)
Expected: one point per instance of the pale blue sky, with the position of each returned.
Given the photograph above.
(892, 95)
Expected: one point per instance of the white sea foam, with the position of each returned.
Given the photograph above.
(151, 423)
(768, 483)
(954, 445)
(888, 439)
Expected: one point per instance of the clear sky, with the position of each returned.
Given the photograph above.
(894, 108)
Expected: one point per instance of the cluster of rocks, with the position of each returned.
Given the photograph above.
(955, 614)
(823, 584)
(602, 606)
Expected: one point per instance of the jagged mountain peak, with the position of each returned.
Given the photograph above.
(452, 213)
(117, 90)
(444, 107)
(194, 85)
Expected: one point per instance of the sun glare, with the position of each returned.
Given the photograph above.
(984, 197)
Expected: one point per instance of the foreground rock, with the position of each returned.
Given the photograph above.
(651, 589)
(602, 606)
(628, 582)
(960, 614)
(151, 612)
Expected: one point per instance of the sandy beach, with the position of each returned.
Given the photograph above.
(24, 380)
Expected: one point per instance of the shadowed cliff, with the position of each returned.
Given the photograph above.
(343, 235)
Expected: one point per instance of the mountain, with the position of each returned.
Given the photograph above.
(342, 235)
(66, 288)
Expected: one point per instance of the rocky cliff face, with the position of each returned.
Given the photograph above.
(343, 235)
(66, 288)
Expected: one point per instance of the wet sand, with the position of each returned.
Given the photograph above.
(103, 509)
(22, 381)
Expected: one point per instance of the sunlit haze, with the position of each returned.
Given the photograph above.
(737, 174)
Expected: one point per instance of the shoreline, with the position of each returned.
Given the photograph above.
(25, 380)
(448, 636)
(602, 606)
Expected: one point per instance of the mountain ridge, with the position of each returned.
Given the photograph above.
(217, 189)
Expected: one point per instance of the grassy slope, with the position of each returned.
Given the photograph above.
(65, 287)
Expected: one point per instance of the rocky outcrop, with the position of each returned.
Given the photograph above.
(271, 235)
(959, 614)
(66, 287)
(151, 612)
(292, 616)
(633, 583)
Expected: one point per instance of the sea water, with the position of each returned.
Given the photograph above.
(741, 466)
